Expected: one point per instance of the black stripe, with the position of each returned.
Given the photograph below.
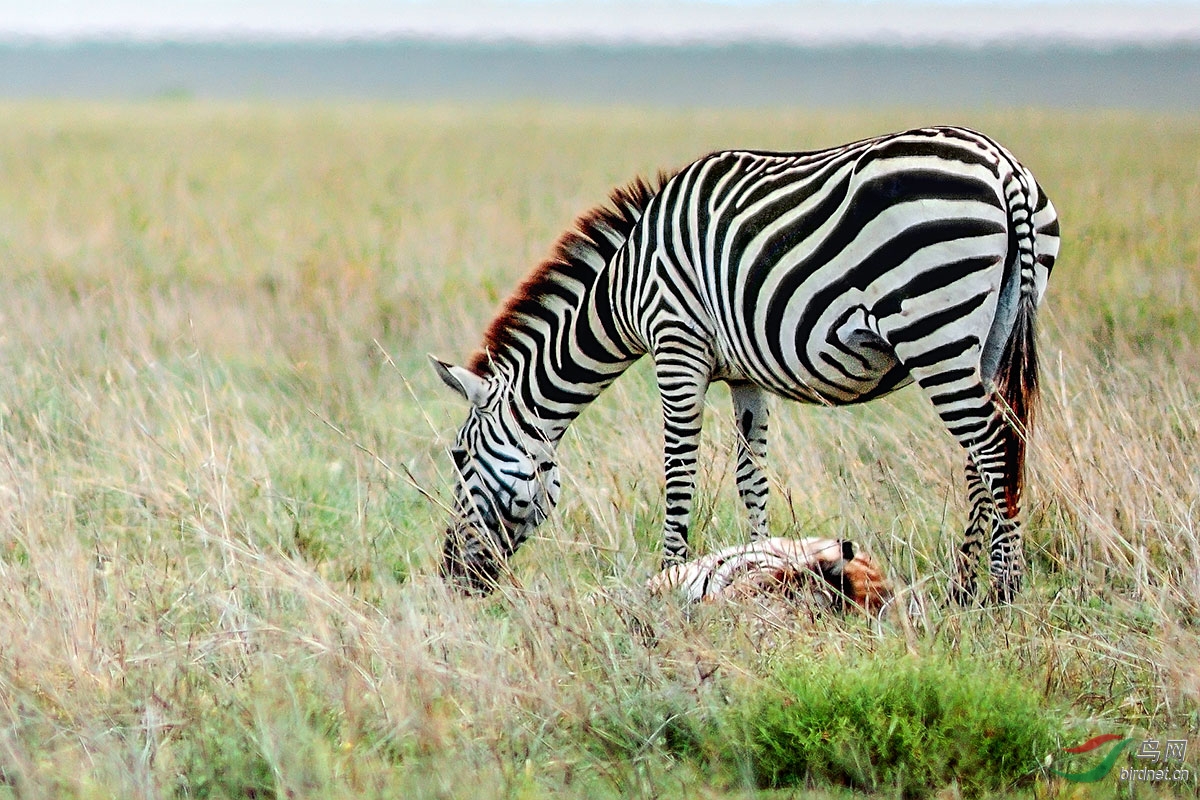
(942, 353)
(920, 328)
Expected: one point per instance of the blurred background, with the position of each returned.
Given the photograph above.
(838, 53)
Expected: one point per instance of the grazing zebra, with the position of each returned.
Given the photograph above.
(832, 277)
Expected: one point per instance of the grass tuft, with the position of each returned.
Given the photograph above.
(905, 726)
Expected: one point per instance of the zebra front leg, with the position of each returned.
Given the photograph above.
(750, 414)
(682, 382)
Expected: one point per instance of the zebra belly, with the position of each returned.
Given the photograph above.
(853, 364)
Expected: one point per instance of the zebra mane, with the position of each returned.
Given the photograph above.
(576, 258)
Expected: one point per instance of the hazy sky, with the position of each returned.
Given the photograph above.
(608, 20)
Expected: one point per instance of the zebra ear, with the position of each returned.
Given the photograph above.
(472, 387)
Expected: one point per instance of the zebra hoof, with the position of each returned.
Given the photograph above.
(475, 574)
(672, 560)
(1004, 592)
(962, 594)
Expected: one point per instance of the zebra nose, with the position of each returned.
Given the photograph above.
(470, 573)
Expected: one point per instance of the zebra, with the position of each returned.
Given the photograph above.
(831, 277)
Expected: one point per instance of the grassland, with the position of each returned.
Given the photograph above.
(222, 462)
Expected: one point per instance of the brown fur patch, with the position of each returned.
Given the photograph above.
(864, 584)
(596, 235)
(867, 586)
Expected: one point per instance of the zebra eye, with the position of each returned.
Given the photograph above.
(459, 454)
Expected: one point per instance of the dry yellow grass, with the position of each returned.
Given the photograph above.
(215, 414)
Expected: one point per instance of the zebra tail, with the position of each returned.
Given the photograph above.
(1017, 381)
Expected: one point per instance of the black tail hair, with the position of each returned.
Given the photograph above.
(1017, 386)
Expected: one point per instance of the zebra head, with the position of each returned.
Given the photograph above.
(507, 481)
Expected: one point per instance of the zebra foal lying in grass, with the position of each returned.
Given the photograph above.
(832, 277)
(821, 573)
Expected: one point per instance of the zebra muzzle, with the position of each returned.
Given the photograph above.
(465, 565)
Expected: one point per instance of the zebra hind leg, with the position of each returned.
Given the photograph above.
(970, 412)
(750, 415)
(1007, 553)
(981, 523)
(1007, 561)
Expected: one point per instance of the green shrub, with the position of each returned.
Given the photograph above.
(910, 726)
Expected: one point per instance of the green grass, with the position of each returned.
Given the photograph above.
(222, 459)
(901, 725)
(886, 723)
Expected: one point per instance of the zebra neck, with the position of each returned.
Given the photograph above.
(567, 332)
(563, 370)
